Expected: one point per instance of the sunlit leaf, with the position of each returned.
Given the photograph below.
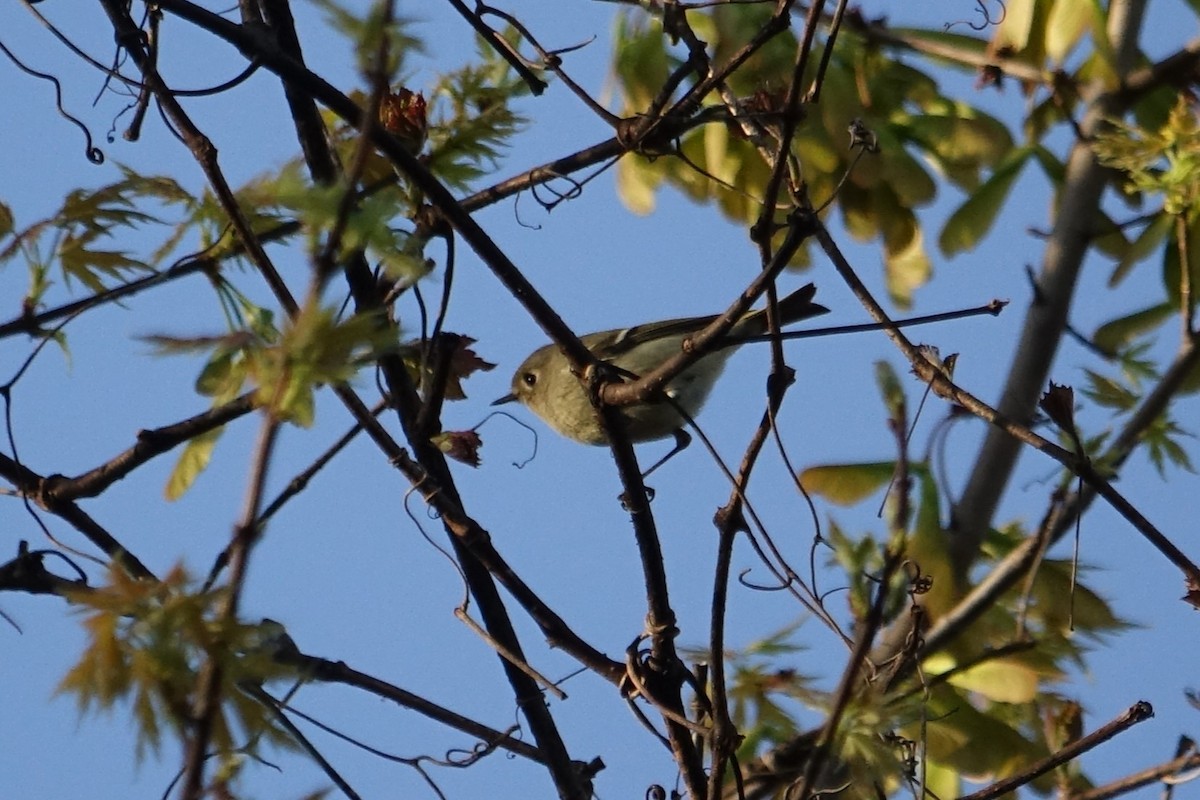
(1016, 30)
(146, 641)
(637, 185)
(473, 117)
(976, 744)
(1065, 26)
(1002, 680)
(192, 461)
(928, 547)
(908, 267)
(942, 781)
(223, 377)
(315, 349)
(847, 484)
(91, 266)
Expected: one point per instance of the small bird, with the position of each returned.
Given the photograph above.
(545, 384)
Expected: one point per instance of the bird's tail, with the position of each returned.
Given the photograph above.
(796, 306)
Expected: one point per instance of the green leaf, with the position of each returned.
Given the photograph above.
(1161, 439)
(908, 267)
(907, 177)
(90, 267)
(474, 118)
(146, 641)
(368, 32)
(637, 184)
(847, 484)
(6, 220)
(1004, 680)
(972, 741)
(315, 349)
(1109, 239)
(366, 226)
(1149, 240)
(1114, 335)
(975, 217)
(1089, 613)
(945, 40)
(1053, 168)
(1065, 27)
(223, 376)
(1102, 62)
(1016, 30)
(928, 546)
(640, 60)
(1108, 393)
(961, 139)
(890, 390)
(192, 461)
(942, 781)
(1172, 270)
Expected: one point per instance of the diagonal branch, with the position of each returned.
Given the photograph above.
(1011, 429)
(150, 444)
(32, 485)
(1079, 201)
(1138, 712)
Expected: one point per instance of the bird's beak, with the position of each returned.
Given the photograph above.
(508, 398)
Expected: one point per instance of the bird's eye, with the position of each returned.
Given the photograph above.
(529, 378)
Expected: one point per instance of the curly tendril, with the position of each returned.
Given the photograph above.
(94, 154)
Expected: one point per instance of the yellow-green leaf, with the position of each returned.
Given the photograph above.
(976, 744)
(927, 547)
(899, 169)
(889, 388)
(1142, 247)
(192, 461)
(1113, 335)
(1002, 680)
(942, 781)
(846, 484)
(1015, 30)
(1172, 270)
(974, 218)
(636, 184)
(908, 267)
(222, 377)
(1067, 21)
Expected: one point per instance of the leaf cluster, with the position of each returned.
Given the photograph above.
(979, 714)
(75, 237)
(911, 120)
(147, 641)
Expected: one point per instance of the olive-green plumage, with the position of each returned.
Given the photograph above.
(545, 384)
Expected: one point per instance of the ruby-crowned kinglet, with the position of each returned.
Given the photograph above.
(545, 384)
